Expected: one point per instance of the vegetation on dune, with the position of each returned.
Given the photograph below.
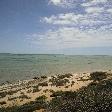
(23, 96)
(35, 78)
(59, 80)
(41, 98)
(43, 84)
(96, 97)
(43, 77)
(36, 89)
(64, 76)
(98, 76)
(38, 104)
(68, 94)
(3, 94)
(2, 102)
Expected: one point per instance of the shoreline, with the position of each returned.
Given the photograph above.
(25, 91)
(8, 82)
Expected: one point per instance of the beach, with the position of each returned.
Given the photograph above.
(55, 55)
(27, 87)
(32, 82)
(23, 92)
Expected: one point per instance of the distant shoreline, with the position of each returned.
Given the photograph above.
(57, 54)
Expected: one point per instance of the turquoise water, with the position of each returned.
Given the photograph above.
(25, 66)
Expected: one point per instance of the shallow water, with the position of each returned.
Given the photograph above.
(25, 66)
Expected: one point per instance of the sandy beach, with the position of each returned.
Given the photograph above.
(25, 91)
(28, 90)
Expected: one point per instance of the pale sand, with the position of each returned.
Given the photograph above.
(30, 83)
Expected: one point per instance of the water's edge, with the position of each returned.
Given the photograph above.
(15, 67)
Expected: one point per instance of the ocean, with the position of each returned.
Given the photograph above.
(14, 67)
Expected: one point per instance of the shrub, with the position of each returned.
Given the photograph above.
(38, 104)
(3, 94)
(43, 77)
(12, 98)
(64, 76)
(64, 94)
(46, 90)
(57, 93)
(98, 76)
(11, 92)
(24, 97)
(41, 98)
(51, 90)
(35, 77)
(58, 82)
(36, 89)
(96, 97)
(29, 91)
(3, 102)
(43, 84)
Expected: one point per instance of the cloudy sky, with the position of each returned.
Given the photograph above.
(56, 26)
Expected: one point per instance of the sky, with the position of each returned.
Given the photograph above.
(56, 26)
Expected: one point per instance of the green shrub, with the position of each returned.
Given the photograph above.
(64, 76)
(67, 94)
(58, 82)
(11, 92)
(96, 97)
(41, 98)
(98, 76)
(38, 104)
(43, 84)
(43, 77)
(36, 89)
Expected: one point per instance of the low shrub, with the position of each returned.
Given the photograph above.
(36, 89)
(3, 102)
(38, 104)
(98, 76)
(35, 77)
(11, 92)
(41, 98)
(96, 97)
(58, 82)
(43, 84)
(24, 97)
(64, 76)
(43, 77)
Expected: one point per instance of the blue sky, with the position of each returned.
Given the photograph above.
(56, 26)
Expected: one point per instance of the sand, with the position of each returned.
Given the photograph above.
(25, 88)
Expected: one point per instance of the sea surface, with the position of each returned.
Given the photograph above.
(14, 67)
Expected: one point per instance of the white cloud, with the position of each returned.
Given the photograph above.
(63, 19)
(71, 3)
(70, 37)
(109, 10)
(62, 3)
(89, 28)
(78, 20)
(94, 2)
(86, 18)
(56, 2)
(94, 10)
(95, 14)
